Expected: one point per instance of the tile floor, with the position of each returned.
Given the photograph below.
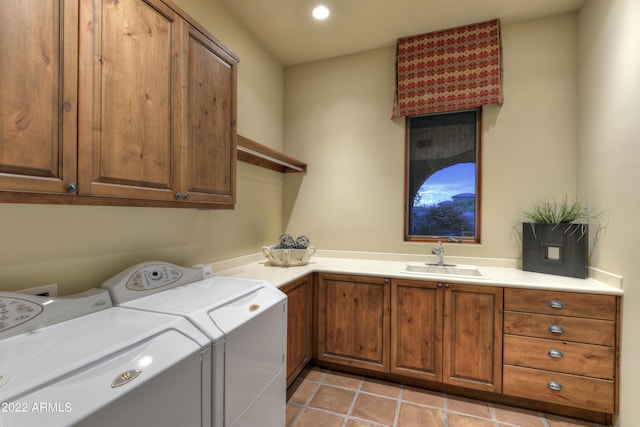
(323, 398)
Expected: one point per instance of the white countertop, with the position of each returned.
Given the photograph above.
(499, 272)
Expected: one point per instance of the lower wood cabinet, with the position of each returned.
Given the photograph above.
(562, 347)
(299, 324)
(473, 336)
(353, 321)
(417, 329)
(449, 333)
(544, 350)
(596, 361)
(569, 390)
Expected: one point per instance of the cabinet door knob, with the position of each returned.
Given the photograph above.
(556, 329)
(554, 386)
(440, 285)
(554, 303)
(386, 280)
(178, 196)
(557, 354)
(72, 188)
(446, 285)
(185, 196)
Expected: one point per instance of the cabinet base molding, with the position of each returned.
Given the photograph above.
(549, 408)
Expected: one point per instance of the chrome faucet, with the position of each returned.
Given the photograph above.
(440, 253)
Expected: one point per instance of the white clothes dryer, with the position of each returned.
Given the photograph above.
(81, 362)
(245, 321)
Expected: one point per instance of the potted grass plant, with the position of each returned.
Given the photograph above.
(555, 237)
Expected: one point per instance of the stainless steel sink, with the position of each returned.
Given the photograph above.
(451, 270)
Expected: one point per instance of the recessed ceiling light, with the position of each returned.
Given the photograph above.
(320, 13)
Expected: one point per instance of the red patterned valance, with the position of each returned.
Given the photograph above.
(449, 70)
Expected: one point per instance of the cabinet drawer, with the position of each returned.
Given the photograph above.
(561, 303)
(560, 356)
(599, 332)
(563, 389)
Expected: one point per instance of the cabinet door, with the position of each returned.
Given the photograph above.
(473, 336)
(38, 106)
(416, 329)
(298, 326)
(353, 321)
(209, 160)
(129, 120)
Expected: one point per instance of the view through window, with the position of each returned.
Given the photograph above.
(442, 170)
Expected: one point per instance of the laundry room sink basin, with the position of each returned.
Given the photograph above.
(451, 270)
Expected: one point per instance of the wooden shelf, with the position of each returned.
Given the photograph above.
(260, 155)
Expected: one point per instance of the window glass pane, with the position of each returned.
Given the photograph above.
(442, 176)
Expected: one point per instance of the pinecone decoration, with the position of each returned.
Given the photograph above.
(302, 242)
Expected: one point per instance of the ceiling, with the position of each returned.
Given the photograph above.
(287, 30)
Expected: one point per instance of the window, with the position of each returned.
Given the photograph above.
(443, 190)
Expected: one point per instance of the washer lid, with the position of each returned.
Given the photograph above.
(51, 353)
(196, 300)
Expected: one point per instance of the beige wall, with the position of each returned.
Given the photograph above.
(80, 246)
(337, 117)
(609, 161)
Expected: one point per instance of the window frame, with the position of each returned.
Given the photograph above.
(478, 213)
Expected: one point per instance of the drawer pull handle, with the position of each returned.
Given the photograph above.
(554, 303)
(556, 329)
(554, 386)
(557, 354)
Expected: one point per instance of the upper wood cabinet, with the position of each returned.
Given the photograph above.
(38, 105)
(129, 118)
(209, 175)
(120, 102)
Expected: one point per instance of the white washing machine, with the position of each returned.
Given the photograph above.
(81, 362)
(245, 321)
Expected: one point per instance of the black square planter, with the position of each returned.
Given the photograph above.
(559, 249)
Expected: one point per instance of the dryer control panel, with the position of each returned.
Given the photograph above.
(150, 277)
(21, 312)
(15, 310)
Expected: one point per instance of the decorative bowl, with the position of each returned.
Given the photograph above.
(288, 257)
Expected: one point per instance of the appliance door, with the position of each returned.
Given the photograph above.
(157, 382)
(254, 361)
